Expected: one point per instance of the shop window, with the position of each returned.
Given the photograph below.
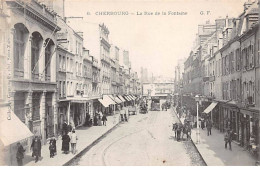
(36, 106)
(19, 105)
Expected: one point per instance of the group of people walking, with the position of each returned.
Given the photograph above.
(100, 119)
(68, 138)
(204, 122)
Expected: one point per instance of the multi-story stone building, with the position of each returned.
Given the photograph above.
(230, 65)
(33, 62)
(115, 62)
(72, 104)
(88, 92)
(96, 89)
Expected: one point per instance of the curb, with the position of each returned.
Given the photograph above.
(192, 141)
(90, 146)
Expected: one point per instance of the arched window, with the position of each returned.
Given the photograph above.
(35, 52)
(20, 39)
(48, 55)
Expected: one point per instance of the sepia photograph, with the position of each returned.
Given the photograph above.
(129, 83)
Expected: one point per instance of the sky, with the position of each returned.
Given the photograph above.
(155, 42)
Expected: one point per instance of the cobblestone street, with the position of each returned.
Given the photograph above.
(146, 140)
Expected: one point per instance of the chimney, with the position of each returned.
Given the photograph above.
(226, 23)
(247, 5)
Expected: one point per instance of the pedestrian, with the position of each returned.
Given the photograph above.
(99, 121)
(54, 144)
(125, 116)
(228, 139)
(104, 119)
(209, 126)
(69, 127)
(199, 123)
(202, 124)
(20, 154)
(73, 141)
(87, 120)
(122, 114)
(64, 128)
(51, 148)
(36, 148)
(95, 120)
(65, 143)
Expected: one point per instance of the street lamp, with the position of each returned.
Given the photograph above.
(197, 98)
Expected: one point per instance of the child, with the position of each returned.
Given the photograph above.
(52, 149)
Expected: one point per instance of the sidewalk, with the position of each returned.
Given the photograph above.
(86, 137)
(212, 150)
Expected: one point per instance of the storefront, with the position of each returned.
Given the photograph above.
(12, 130)
(249, 128)
(62, 115)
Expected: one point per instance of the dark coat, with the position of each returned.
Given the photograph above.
(54, 145)
(209, 124)
(69, 128)
(65, 127)
(36, 147)
(202, 124)
(20, 152)
(228, 136)
(65, 142)
(104, 118)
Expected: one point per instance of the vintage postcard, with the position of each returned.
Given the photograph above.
(129, 83)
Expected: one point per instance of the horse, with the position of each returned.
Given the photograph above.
(186, 130)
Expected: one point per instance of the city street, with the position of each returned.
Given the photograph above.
(147, 139)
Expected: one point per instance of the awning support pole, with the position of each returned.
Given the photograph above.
(69, 114)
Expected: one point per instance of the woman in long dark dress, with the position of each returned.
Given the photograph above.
(65, 143)
(202, 124)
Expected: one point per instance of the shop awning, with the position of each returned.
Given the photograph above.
(118, 100)
(105, 103)
(13, 130)
(159, 95)
(127, 98)
(107, 97)
(121, 98)
(210, 107)
(115, 99)
(132, 98)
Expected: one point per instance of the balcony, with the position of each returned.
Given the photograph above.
(105, 59)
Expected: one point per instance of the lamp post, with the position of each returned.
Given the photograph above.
(197, 98)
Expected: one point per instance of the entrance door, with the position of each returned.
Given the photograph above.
(49, 118)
